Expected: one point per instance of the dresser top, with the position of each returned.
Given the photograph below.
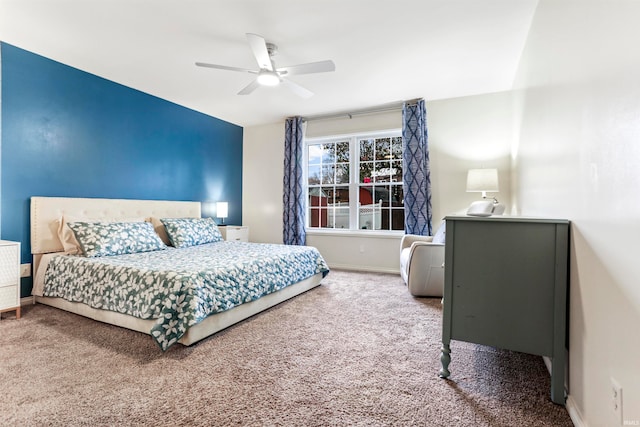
(506, 218)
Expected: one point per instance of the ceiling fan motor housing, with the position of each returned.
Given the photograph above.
(272, 49)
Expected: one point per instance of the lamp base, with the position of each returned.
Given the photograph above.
(486, 208)
(498, 208)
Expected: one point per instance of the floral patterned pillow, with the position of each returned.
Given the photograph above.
(115, 238)
(185, 232)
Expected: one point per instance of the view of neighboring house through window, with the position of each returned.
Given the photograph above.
(328, 178)
(355, 182)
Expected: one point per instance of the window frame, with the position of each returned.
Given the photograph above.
(354, 181)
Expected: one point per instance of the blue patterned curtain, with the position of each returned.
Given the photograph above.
(293, 212)
(416, 174)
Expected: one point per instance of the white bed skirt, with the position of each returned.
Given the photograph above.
(212, 324)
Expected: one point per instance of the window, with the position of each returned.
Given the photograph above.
(355, 182)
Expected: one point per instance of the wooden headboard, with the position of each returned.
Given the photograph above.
(45, 210)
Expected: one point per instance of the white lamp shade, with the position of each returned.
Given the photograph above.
(482, 180)
(222, 209)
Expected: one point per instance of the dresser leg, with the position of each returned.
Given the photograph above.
(445, 359)
(557, 378)
(18, 313)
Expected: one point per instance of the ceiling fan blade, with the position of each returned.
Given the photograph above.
(311, 67)
(224, 67)
(297, 89)
(249, 88)
(259, 48)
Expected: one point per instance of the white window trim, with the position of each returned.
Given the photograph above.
(354, 156)
(387, 234)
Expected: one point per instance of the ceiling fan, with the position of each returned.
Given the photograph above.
(268, 74)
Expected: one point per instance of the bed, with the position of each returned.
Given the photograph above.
(176, 295)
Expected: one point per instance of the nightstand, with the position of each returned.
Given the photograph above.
(234, 233)
(10, 277)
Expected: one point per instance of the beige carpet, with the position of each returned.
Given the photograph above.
(358, 350)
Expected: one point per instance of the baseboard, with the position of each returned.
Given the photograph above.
(574, 413)
(27, 301)
(570, 404)
(367, 269)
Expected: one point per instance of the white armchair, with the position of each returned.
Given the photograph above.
(422, 265)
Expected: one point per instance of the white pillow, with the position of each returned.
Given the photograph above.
(159, 227)
(439, 237)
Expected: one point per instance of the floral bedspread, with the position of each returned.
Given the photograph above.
(181, 287)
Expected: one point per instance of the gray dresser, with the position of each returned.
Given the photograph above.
(506, 286)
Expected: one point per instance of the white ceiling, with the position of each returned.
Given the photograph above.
(385, 51)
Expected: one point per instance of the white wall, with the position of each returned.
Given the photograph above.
(577, 157)
(464, 133)
(468, 133)
(262, 182)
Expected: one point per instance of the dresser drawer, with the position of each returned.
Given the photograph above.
(10, 277)
(9, 263)
(9, 297)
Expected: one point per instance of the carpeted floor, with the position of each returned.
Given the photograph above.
(357, 350)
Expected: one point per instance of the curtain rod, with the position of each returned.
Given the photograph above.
(379, 109)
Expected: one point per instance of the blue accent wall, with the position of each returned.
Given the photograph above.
(69, 133)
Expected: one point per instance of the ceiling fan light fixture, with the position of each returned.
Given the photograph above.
(267, 74)
(268, 78)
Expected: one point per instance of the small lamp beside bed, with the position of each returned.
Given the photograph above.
(222, 211)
